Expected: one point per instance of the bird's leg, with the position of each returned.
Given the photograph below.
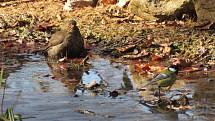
(84, 61)
(169, 88)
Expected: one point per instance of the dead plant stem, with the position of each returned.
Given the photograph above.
(3, 95)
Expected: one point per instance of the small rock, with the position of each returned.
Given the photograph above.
(109, 116)
(75, 95)
(70, 4)
(162, 10)
(211, 80)
(135, 52)
(87, 112)
(113, 94)
(205, 10)
(122, 3)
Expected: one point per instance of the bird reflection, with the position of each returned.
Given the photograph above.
(67, 73)
(127, 82)
(44, 86)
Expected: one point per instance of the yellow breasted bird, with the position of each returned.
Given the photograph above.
(166, 78)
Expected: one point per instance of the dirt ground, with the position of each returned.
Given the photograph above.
(108, 30)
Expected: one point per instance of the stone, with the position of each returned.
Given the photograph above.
(71, 4)
(155, 10)
(205, 10)
(122, 3)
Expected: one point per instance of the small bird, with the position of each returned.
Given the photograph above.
(166, 78)
(59, 36)
(66, 43)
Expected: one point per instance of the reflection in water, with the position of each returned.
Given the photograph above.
(44, 86)
(74, 76)
(204, 100)
(127, 82)
(70, 76)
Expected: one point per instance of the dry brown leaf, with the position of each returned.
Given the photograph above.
(126, 48)
(156, 57)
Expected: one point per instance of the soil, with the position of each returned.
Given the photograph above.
(26, 26)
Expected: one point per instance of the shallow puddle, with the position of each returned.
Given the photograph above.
(41, 93)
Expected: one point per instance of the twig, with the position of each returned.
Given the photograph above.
(2, 101)
(204, 58)
(3, 95)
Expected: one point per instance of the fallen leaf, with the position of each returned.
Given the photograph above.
(59, 17)
(191, 69)
(142, 54)
(107, 2)
(142, 67)
(44, 26)
(126, 48)
(165, 50)
(156, 57)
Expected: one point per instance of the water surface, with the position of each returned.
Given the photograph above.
(40, 93)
